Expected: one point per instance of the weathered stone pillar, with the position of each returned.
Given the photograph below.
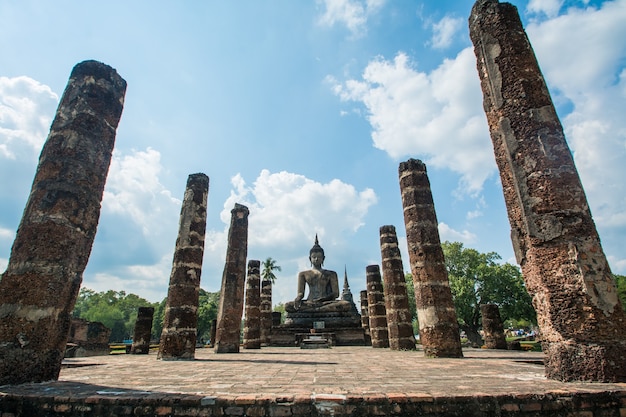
(492, 327)
(376, 307)
(438, 327)
(396, 300)
(582, 322)
(54, 239)
(178, 338)
(365, 315)
(233, 282)
(143, 331)
(252, 328)
(266, 312)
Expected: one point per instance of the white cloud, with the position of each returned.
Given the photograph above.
(437, 116)
(26, 111)
(445, 30)
(133, 189)
(582, 54)
(446, 233)
(351, 13)
(286, 207)
(548, 7)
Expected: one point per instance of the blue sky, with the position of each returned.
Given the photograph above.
(301, 110)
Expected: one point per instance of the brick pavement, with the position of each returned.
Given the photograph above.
(291, 381)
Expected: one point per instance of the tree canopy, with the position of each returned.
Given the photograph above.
(478, 278)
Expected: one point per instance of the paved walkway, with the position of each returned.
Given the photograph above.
(340, 370)
(345, 375)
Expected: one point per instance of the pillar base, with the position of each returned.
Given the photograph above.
(601, 362)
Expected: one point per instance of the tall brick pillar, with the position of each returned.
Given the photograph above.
(143, 331)
(492, 327)
(266, 312)
(252, 328)
(54, 239)
(233, 282)
(396, 299)
(178, 338)
(438, 327)
(582, 322)
(376, 307)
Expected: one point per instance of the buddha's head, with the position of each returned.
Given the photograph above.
(316, 254)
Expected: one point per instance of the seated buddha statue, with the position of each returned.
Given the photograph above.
(323, 286)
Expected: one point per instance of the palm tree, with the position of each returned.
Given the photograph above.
(269, 266)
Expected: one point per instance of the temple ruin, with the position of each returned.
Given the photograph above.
(582, 322)
(492, 327)
(54, 239)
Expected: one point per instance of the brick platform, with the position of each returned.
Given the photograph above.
(341, 381)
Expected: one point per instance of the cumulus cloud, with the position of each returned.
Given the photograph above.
(445, 30)
(351, 13)
(26, 111)
(287, 207)
(582, 54)
(550, 8)
(133, 189)
(446, 233)
(437, 116)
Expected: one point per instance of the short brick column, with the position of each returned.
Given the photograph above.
(40, 286)
(376, 307)
(143, 331)
(492, 327)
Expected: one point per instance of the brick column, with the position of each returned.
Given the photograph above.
(178, 338)
(376, 307)
(252, 328)
(233, 282)
(266, 311)
(439, 330)
(396, 299)
(143, 331)
(492, 327)
(582, 322)
(365, 317)
(54, 239)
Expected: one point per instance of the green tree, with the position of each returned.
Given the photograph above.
(477, 278)
(115, 309)
(269, 266)
(207, 312)
(410, 292)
